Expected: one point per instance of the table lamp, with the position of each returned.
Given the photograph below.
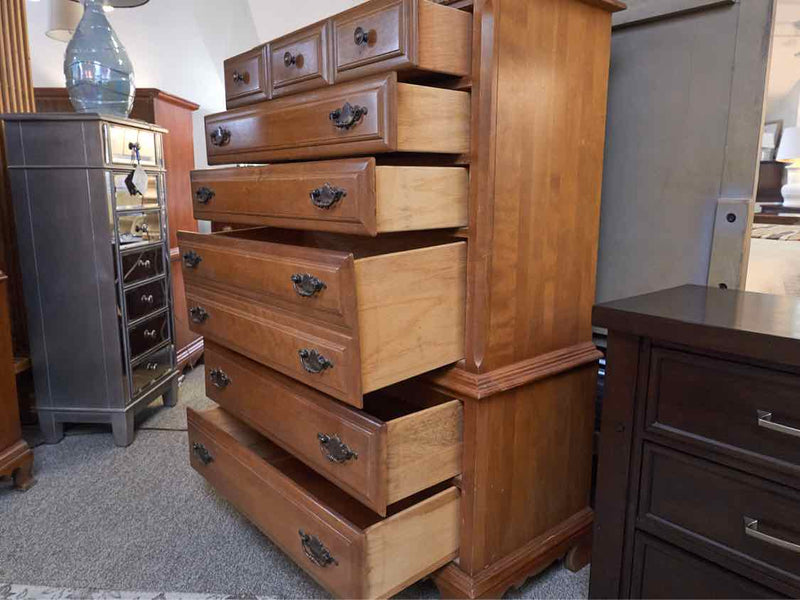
(789, 152)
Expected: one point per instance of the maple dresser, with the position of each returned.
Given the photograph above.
(398, 331)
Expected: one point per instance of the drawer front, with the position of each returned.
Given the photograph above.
(300, 61)
(304, 280)
(122, 144)
(353, 118)
(320, 357)
(148, 334)
(139, 227)
(245, 78)
(741, 515)
(336, 195)
(377, 32)
(145, 299)
(142, 264)
(124, 200)
(150, 369)
(748, 412)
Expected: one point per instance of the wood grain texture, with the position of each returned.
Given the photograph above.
(444, 39)
(309, 65)
(247, 77)
(432, 119)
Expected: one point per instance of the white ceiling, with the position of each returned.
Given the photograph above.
(785, 66)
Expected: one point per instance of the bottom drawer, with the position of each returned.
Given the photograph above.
(345, 547)
(149, 369)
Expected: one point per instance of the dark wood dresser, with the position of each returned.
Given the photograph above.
(698, 490)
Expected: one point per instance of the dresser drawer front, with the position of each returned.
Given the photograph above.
(322, 358)
(138, 265)
(139, 227)
(148, 370)
(145, 299)
(716, 505)
(300, 61)
(724, 406)
(245, 78)
(148, 198)
(378, 462)
(148, 334)
(377, 32)
(344, 546)
(122, 143)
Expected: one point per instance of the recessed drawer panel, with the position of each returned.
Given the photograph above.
(742, 516)
(129, 146)
(344, 546)
(148, 334)
(246, 78)
(149, 369)
(300, 61)
(124, 200)
(138, 265)
(140, 227)
(740, 410)
(408, 439)
(145, 299)
(377, 32)
(364, 117)
(347, 196)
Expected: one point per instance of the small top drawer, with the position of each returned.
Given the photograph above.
(377, 32)
(246, 78)
(300, 61)
(128, 145)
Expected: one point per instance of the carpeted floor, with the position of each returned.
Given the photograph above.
(140, 519)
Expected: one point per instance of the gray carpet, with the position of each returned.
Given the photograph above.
(139, 518)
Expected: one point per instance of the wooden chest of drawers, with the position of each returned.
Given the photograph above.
(406, 319)
(700, 447)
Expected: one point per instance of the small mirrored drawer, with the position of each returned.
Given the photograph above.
(145, 299)
(140, 199)
(141, 265)
(148, 334)
(123, 144)
(139, 227)
(149, 369)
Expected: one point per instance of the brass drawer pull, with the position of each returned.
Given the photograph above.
(204, 195)
(290, 60)
(334, 449)
(751, 530)
(326, 196)
(313, 361)
(240, 77)
(361, 36)
(219, 378)
(198, 314)
(220, 136)
(147, 298)
(202, 453)
(765, 421)
(191, 259)
(307, 285)
(316, 551)
(348, 116)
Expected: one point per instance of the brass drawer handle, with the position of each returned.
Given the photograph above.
(204, 195)
(361, 36)
(220, 136)
(326, 196)
(334, 449)
(751, 530)
(307, 285)
(765, 421)
(202, 453)
(240, 77)
(198, 314)
(219, 378)
(348, 116)
(291, 60)
(313, 361)
(316, 551)
(191, 259)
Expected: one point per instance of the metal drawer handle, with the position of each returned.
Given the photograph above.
(150, 333)
(313, 361)
(348, 116)
(290, 59)
(191, 259)
(765, 421)
(326, 196)
(220, 136)
(316, 551)
(307, 285)
(240, 77)
(202, 453)
(361, 36)
(145, 264)
(751, 530)
(147, 298)
(334, 449)
(151, 366)
(198, 314)
(143, 228)
(204, 195)
(219, 378)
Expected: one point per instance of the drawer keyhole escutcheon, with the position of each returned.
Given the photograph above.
(316, 551)
(198, 314)
(202, 453)
(334, 449)
(313, 361)
(361, 36)
(307, 285)
(348, 116)
(327, 195)
(204, 195)
(191, 259)
(219, 378)
(220, 136)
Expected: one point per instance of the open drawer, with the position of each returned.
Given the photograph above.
(407, 439)
(344, 546)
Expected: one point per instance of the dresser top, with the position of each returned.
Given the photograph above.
(761, 326)
(70, 116)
